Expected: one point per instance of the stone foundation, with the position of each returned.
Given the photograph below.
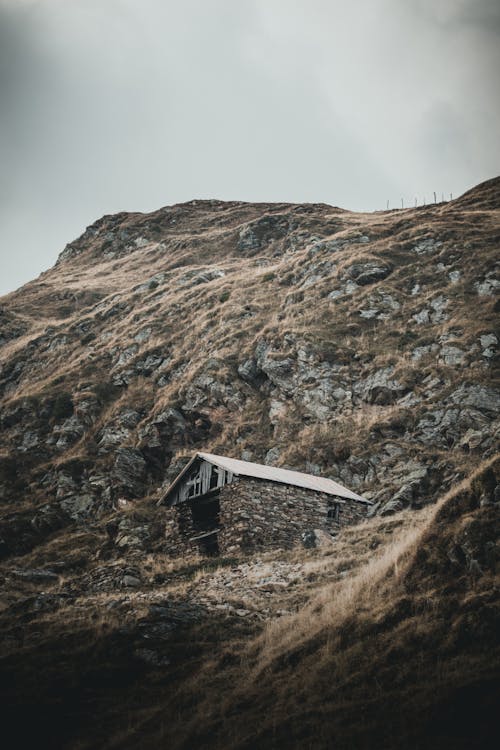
(259, 515)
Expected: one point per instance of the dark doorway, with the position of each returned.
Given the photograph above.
(205, 514)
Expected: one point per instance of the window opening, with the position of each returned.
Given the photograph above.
(333, 511)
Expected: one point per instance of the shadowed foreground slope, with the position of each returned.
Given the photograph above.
(404, 653)
(391, 639)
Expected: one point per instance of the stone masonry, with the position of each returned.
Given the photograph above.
(256, 515)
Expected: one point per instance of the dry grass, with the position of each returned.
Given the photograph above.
(330, 608)
(385, 645)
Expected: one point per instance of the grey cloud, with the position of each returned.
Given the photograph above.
(482, 13)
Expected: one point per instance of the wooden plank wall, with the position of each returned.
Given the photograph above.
(197, 483)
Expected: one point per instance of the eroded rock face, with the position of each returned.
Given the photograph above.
(261, 232)
(78, 506)
(485, 400)
(20, 532)
(379, 388)
(129, 471)
(314, 385)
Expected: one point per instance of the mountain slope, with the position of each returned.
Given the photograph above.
(361, 347)
(356, 345)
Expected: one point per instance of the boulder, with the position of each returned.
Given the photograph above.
(312, 538)
(248, 370)
(379, 387)
(488, 344)
(308, 539)
(486, 400)
(439, 305)
(488, 287)
(131, 581)
(78, 507)
(279, 371)
(452, 355)
(129, 471)
(323, 538)
(272, 456)
(126, 355)
(367, 273)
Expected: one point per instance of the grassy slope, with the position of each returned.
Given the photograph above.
(404, 653)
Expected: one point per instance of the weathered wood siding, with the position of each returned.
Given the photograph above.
(202, 478)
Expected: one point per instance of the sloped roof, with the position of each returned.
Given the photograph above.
(271, 474)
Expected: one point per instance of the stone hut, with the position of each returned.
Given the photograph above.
(222, 505)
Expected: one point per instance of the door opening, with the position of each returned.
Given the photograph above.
(205, 516)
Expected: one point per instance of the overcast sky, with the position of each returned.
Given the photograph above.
(111, 105)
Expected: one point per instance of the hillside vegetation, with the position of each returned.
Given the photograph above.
(362, 347)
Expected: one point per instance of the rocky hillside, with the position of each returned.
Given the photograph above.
(357, 346)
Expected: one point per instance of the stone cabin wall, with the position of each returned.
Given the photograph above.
(257, 515)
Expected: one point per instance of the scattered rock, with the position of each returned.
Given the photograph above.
(261, 232)
(423, 351)
(427, 246)
(70, 431)
(36, 575)
(249, 371)
(194, 278)
(130, 581)
(368, 273)
(129, 470)
(379, 387)
(143, 335)
(452, 355)
(488, 287)
(78, 507)
(488, 344)
(479, 397)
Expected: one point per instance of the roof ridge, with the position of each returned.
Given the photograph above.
(271, 474)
